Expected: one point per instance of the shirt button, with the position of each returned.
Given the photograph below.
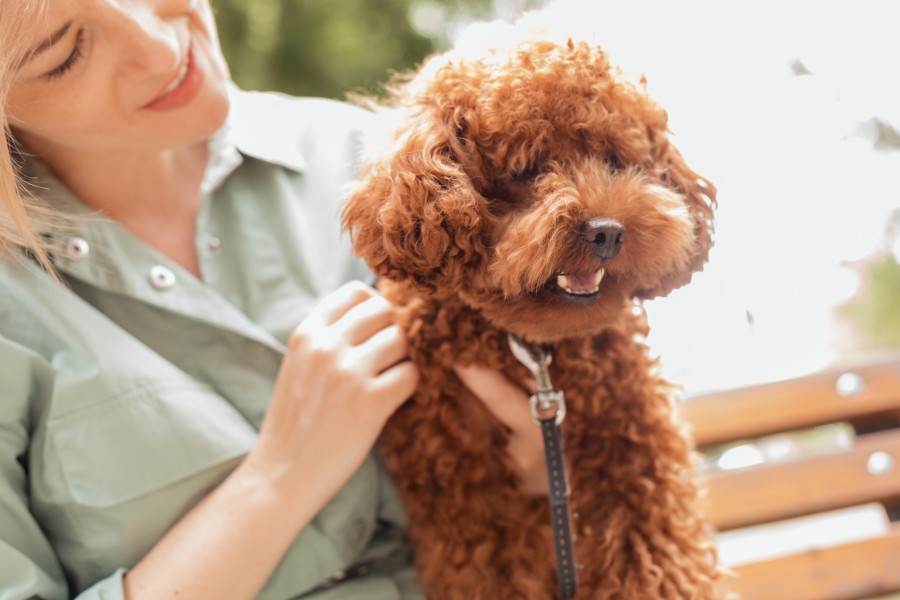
(213, 244)
(77, 248)
(162, 278)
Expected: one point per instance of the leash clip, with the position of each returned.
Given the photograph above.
(537, 359)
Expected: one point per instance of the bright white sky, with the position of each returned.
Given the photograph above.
(801, 191)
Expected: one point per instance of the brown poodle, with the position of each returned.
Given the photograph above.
(534, 191)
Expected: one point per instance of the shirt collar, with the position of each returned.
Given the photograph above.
(254, 130)
(259, 124)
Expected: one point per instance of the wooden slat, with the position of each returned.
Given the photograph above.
(848, 572)
(768, 493)
(794, 404)
(767, 541)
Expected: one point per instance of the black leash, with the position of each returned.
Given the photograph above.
(548, 409)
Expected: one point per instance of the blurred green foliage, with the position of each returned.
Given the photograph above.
(877, 311)
(327, 48)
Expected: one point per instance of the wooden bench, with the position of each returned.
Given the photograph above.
(819, 517)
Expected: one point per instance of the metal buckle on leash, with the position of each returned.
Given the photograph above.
(536, 358)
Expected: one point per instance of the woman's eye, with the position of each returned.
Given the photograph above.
(70, 60)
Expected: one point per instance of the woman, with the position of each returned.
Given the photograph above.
(190, 411)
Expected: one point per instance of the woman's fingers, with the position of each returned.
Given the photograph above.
(365, 319)
(383, 349)
(510, 405)
(353, 313)
(336, 304)
(503, 398)
(396, 384)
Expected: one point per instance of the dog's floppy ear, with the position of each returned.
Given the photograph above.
(416, 215)
(700, 198)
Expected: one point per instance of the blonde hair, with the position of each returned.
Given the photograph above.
(20, 217)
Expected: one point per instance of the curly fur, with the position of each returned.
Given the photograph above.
(468, 219)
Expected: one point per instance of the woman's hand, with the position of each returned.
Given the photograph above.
(345, 372)
(343, 375)
(510, 405)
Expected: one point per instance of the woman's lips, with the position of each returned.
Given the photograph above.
(182, 89)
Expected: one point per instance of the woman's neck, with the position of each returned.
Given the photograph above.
(154, 195)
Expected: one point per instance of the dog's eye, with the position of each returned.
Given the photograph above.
(528, 174)
(613, 163)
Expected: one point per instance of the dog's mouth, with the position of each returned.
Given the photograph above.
(581, 286)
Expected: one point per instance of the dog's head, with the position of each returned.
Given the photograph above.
(538, 186)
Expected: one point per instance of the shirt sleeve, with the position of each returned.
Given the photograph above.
(110, 588)
(29, 568)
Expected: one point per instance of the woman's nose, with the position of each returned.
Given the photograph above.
(148, 33)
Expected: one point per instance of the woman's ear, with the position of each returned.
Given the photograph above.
(415, 216)
(700, 198)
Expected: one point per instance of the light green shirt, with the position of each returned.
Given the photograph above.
(127, 397)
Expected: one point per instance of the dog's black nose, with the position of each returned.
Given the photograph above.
(606, 235)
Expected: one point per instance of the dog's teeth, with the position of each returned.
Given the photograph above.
(564, 284)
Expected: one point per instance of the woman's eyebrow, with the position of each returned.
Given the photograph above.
(46, 44)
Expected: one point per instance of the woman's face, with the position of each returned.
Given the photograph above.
(120, 75)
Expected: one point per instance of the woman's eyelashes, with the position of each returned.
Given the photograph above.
(70, 61)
